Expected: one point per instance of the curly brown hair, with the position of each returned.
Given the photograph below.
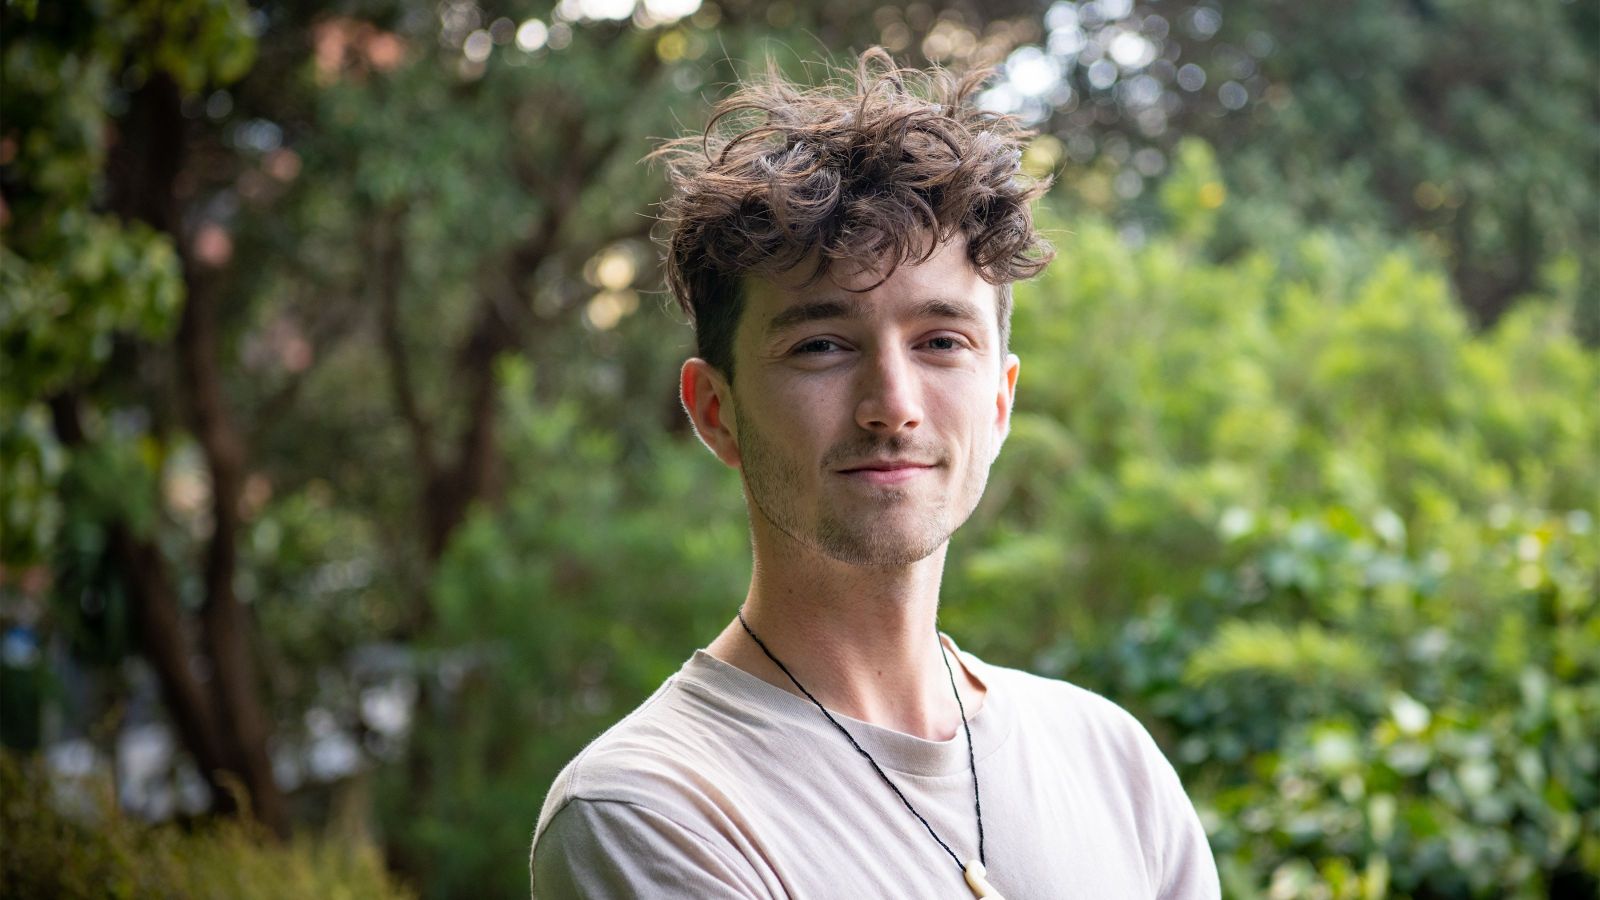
(859, 171)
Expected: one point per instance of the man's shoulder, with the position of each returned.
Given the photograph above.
(642, 799)
(1112, 750)
(1061, 708)
(660, 782)
(675, 754)
(1052, 692)
(634, 759)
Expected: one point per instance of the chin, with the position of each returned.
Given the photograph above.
(877, 557)
(875, 545)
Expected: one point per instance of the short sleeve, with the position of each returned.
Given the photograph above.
(612, 849)
(1188, 870)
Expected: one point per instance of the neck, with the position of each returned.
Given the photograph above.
(861, 639)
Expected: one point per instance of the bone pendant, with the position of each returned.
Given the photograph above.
(979, 884)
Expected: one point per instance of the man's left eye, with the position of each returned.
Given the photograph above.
(944, 342)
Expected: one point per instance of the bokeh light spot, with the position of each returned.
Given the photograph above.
(1191, 77)
(608, 307)
(670, 10)
(1102, 74)
(478, 46)
(1428, 196)
(1233, 95)
(531, 35)
(1043, 155)
(1031, 72)
(1131, 50)
(671, 45)
(615, 269)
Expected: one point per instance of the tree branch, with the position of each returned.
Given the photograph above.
(386, 254)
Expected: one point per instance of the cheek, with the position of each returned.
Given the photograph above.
(976, 431)
(972, 406)
(805, 402)
(786, 420)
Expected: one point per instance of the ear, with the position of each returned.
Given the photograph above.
(708, 399)
(1004, 399)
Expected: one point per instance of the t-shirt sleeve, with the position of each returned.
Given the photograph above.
(613, 849)
(1188, 870)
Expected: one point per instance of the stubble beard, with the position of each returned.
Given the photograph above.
(774, 483)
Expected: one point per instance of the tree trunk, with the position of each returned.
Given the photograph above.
(224, 620)
(229, 732)
(159, 622)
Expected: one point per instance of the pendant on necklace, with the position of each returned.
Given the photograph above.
(979, 884)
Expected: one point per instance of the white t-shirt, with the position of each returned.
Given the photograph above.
(722, 785)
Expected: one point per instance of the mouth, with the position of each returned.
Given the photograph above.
(886, 472)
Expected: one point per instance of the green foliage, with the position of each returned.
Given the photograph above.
(557, 614)
(73, 280)
(29, 509)
(60, 63)
(1307, 653)
(1457, 761)
(73, 843)
(1164, 396)
(1265, 486)
(1193, 192)
(1414, 119)
(1340, 552)
(59, 319)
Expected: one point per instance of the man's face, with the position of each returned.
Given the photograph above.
(864, 424)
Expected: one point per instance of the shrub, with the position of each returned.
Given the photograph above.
(99, 852)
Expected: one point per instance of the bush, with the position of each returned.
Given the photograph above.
(101, 853)
(1336, 549)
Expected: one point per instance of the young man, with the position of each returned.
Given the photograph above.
(846, 256)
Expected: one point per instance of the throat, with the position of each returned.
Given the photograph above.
(936, 715)
(911, 698)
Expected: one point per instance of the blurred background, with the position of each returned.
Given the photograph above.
(347, 495)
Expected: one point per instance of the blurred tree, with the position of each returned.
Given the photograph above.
(219, 218)
(456, 205)
(454, 192)
(367, 330)
(1471, 126)
(1336, 549)
(88, 260)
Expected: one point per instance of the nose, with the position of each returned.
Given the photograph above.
(888, 395)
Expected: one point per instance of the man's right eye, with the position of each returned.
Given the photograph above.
(816, 345)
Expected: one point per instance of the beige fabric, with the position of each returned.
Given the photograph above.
(722, 785)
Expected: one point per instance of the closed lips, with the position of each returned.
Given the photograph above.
(886, 467)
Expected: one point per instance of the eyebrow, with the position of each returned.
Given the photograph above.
(935, 308)
(802, 313)
(940, 308)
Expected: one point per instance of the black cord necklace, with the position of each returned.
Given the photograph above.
(974, 870)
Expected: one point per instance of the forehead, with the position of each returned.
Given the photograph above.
(914, 287)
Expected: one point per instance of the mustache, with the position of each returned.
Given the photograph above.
(898, 447)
